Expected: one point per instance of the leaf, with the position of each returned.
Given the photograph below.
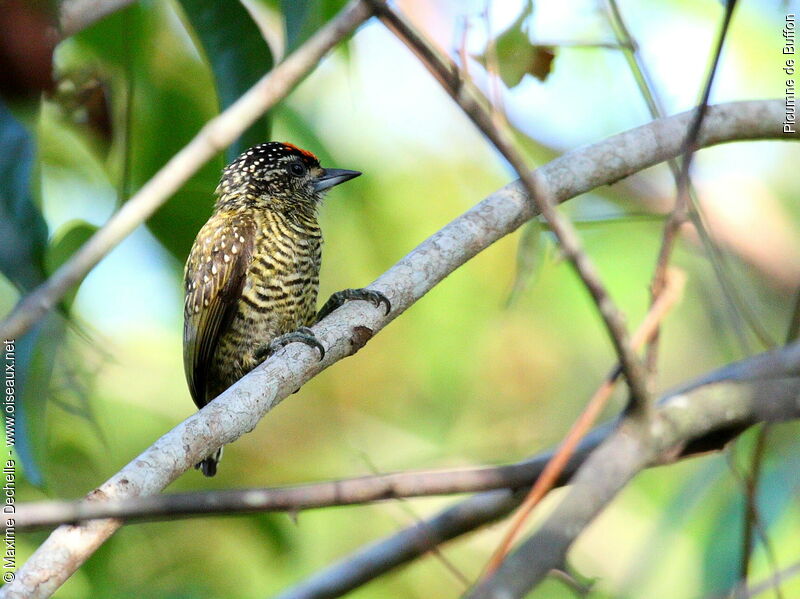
(541, 62)
(69, 238)
(238, 54)
(23, 231)
(516, 56)
(304, 17)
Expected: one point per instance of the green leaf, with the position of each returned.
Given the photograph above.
(516, 56)
(304, 17)
(238, 54)
(69, 238)
(23, 231)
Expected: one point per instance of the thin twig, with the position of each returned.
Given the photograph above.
(793, 331)
(446, 72)
(673, 290)
(436, 551)
(679, 216)
(352, 491)
(753, 522)
(681, 213)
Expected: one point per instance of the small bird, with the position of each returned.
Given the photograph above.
(252, 276)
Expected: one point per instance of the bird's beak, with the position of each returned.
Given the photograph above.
(333, 176)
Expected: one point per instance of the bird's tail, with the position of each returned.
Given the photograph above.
(209, 465)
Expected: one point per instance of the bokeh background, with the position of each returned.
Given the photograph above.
(491, 366)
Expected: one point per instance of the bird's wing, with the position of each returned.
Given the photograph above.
(214, 278)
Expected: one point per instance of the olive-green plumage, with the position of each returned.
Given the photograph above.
(253, 271)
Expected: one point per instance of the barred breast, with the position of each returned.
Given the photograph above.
(278, 297)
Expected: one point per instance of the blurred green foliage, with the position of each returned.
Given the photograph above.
(460, 378)
(238, 55)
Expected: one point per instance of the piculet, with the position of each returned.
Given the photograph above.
(252, 276)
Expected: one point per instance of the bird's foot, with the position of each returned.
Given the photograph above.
(301, 335)
(209, 465)
(376, 298)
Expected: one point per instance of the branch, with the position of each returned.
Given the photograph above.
(350, 491)
(215, 136)
(698, 412)
(239, 409)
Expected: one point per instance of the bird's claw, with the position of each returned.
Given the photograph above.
(376, 298)
(301, 335)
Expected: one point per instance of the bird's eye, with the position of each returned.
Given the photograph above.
(298, 169)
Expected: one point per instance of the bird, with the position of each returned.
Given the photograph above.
(252, 275)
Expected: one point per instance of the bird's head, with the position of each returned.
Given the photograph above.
(278, 176)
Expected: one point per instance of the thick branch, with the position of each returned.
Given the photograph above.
(215, 136)
(239, 409)
(701, 416)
